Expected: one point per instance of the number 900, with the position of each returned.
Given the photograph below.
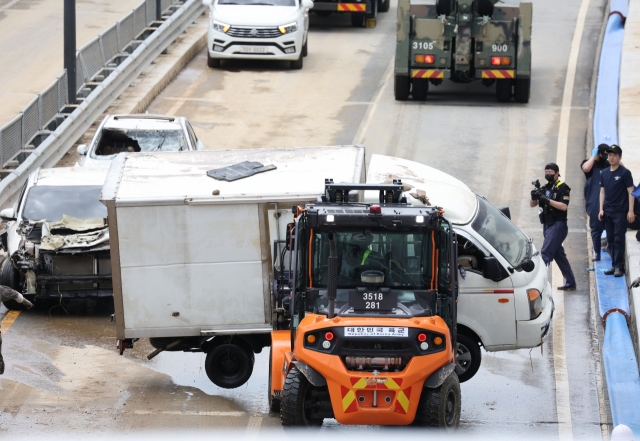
(500, 47)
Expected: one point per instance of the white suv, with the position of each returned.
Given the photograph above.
(258, 29)
(138, 133)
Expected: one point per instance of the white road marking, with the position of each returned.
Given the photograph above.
(192, 413)
(253, 427)
(368, 116)
(563, 398)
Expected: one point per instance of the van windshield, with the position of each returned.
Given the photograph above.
(50, 203)
(500, 232)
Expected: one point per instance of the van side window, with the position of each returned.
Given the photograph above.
(469, 256)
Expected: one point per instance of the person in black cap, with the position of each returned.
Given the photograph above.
(616, 207)
(590, 167)
(553, 200)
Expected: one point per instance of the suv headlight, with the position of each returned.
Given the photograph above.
(288, 28)
(220, 27)
(535, 303)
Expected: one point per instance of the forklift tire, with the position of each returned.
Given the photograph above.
(444, 7)
(440, 407)
(401, 87)
(485, 7)
(420, 89)
(8, 279)
(468, 358)
(384, 6)
(212, 62)
(294, 409)
(274, 403)
(503, 90)
(522, 90)
(358, 20)
(229, 365)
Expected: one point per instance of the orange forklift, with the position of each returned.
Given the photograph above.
(364, 312)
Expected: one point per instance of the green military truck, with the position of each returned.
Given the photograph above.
(464, 40)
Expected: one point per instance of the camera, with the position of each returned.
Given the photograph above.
(536, 184)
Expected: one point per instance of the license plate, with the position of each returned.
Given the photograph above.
(375, 331)
(373, 301)
(253, 49)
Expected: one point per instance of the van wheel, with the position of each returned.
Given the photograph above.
(274, 403)
(305, 48)
(8, 277)
(503, 90)
(212, 62)
(296, 403)
(297, 64)
(229, 365)
(440, 407)
(468, 357)
(401, 87)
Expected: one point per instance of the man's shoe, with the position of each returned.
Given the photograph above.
(609, 272)
(596, 257)
(619, 272)
(567, 287)
(1, 366)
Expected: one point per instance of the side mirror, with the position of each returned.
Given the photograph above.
(8, 214)
(82, 149)
(491, 269)
(307, 4)
(207, 2)
(505, 210)
(528, 265)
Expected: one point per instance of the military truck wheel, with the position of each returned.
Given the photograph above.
(420, 88)
(444, 7)
(274, 403)
(213, 62)
(468, 357)
(401, 87)
(358, 20)
(522, 90)
(229, 365)
(503, 90)
(373, 12)
(485, 7)
(384, 6)
(296, 403)
(440, 407)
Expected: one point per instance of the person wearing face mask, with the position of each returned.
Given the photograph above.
(592, 168)
(553, 200)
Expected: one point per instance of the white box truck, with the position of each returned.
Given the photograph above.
(201, 264)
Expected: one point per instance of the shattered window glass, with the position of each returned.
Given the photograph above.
(51, 202)
(114, 141)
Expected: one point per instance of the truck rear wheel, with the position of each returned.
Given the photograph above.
(440, 407)
(503, 90)
(229, 365)
(296, 402)
(401, 87)
(522, 90)
(384, 6)
(358, 20)
(468, 358)
(420, 88)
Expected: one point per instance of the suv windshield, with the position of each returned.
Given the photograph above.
(500, 232)
(114, 141)
(258, 2)
(51, 202)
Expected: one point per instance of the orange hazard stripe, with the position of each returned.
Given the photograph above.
(498, 74)
(352, 7)
(427, 73)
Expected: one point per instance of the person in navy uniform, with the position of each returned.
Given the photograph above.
(553, 200)
(7, 294)
(616, 207)
(592, 168)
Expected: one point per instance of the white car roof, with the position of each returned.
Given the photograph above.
(458, 201)
(64, 176)
(160, 122)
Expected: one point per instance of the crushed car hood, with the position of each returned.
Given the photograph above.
(86, 233)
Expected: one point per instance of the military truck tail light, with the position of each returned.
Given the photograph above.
(500, 61)
(495, 61)
(425, 59)
(506, 61)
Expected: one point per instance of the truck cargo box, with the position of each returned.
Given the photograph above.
(192, 255)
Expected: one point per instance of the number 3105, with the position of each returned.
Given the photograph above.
(423, 45)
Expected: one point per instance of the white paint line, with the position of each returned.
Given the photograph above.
(368, 116)
(187, 93)
(192, 413)
(253, 428)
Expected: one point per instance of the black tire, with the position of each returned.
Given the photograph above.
(485, 7)
(420, 89)
(373, 11)
(305, 48)
(468, 358)
(297, 64)
(229, 365)
(401, 87)
(444, 7)
(503, 90)
(384, 6)
(440, 407)
(522, 90)
(213, 62)
(294, 405)
(274, 403)
(8, 278)
(358, 20)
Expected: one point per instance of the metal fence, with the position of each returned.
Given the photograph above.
(91, 60)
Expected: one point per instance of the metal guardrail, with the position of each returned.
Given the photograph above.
(95, 59)
(101, 91)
